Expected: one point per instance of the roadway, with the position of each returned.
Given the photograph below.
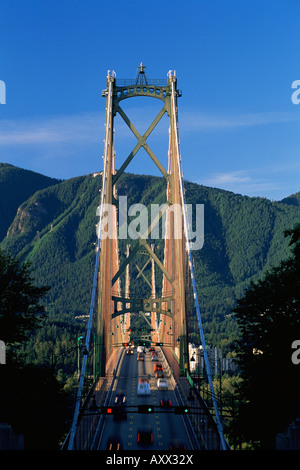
(165, 426)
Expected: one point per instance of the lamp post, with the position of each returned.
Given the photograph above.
(79, 339)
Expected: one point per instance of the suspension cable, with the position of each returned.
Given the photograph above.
(95, 278)
(188, 248)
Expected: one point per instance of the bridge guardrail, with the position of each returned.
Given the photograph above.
(106, 401)
(202, 426)
(181, 399)
(89, 426)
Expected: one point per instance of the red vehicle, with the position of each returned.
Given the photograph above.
(145, 436)
(157, 367)
(165, 403)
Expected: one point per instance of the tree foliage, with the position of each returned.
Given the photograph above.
(32, 401)
(20, 307)
(269, 322)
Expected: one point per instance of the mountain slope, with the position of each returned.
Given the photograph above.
(243, 236)
(293, 199)
(16, 186)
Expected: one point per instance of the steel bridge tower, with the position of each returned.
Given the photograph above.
(170, 308)
(107, 329)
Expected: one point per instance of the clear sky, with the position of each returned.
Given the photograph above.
(235, 63)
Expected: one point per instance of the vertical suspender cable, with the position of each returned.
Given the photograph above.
(218, 420)
(95, 279)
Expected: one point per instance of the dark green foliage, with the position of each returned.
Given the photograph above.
(269, 322)
(32, 401)
(55, 230)
(20, 300)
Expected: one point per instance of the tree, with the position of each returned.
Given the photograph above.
(20, 308)
(269, 322)
(35, 404)
(32, 401)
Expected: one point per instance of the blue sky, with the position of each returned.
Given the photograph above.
(235, 63)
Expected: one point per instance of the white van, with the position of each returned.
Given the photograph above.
(162, 384)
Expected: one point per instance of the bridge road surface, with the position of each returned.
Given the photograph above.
(165, 426)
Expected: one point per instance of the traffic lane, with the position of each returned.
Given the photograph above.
(124, 431)
(115, 430)
(165, 426)
(168, 426)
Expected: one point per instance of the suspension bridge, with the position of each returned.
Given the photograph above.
(135, 389)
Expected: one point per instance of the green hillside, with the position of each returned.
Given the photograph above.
(17, 185)
(55, 229)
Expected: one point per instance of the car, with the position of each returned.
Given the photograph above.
(177, 444)
(114, 443)
(162, 384)
(129, 352)
(158, 366)
(140, 357)
(166, 403)
(120, 399)
(145, 436)
(159, 374)
(154, 357)
(143, 387)
(140, 349)
(120, 403)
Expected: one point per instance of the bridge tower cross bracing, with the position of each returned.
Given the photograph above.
(170, 308)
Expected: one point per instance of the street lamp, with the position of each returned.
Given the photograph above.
(79, 339)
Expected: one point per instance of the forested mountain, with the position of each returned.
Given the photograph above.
(17, 185)
(53, 225)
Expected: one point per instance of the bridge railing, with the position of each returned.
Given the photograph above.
(132, 82)
(203, 421)
(204, 428)
(89, 421)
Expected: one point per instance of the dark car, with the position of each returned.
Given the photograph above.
(120, 403)
(140, 357)
(166, 403)
(145, 436)
(114, 443)
(177, 444)
(159, 374)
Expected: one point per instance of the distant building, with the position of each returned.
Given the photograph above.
(218, 364)
(9, 440)
(290, 439)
